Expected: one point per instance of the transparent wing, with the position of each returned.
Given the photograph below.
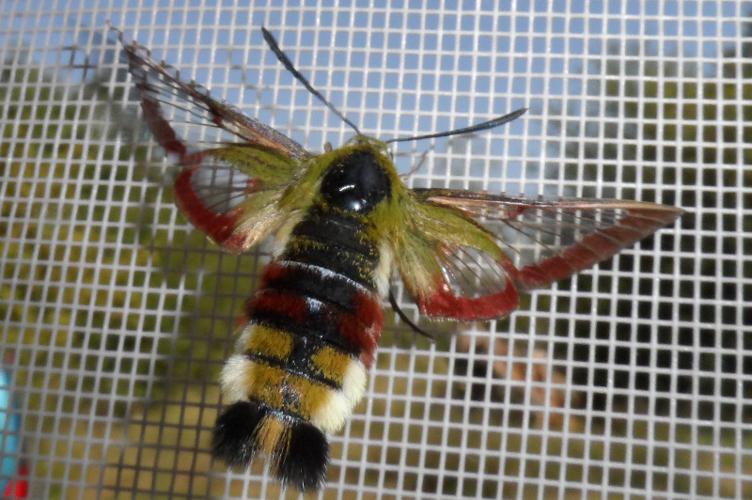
(550, 240)
(232, 193)
(235, 168)
(184, 118)
(451, 266)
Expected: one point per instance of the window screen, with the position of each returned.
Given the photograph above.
(630, 379)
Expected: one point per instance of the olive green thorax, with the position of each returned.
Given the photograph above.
(357, 179)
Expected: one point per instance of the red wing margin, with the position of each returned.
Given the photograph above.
(473, 286)
(551, 240)
(184, 118)
(231, 194)
(235, 168)
(451, 266)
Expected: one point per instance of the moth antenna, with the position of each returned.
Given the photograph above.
(403, 317)
(500, 120)
(291, 68)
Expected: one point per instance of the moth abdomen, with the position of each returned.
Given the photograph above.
(336, 243)
(301, 360)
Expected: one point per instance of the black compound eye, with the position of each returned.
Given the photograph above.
(356, 182)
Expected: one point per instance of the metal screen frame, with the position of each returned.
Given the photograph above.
(631, 379)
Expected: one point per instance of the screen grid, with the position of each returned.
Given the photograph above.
(629, 379)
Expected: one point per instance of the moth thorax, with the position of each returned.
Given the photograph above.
(356, 182)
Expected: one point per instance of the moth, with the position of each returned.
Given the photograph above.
(342, 223)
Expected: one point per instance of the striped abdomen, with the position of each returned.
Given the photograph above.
(301, 360)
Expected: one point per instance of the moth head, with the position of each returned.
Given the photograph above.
(358, 177)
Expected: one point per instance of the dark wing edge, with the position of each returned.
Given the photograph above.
(160, 86)
(571, 234)
(235, 168)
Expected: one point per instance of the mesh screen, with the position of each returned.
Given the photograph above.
(632, 378)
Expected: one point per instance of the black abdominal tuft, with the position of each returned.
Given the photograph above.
(304, 463)
(300, 457)
(233, 439)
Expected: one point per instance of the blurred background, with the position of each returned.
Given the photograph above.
(633, 378)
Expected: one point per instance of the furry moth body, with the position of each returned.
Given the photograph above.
(313, 326)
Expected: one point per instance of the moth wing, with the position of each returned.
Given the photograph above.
(235, 168)
(184, 118)
(536, 243)
(451, 266)
(233, 193)
(552, 240)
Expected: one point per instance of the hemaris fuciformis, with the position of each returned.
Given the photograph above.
(343, 222)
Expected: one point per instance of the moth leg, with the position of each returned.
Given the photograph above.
(408, 321)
